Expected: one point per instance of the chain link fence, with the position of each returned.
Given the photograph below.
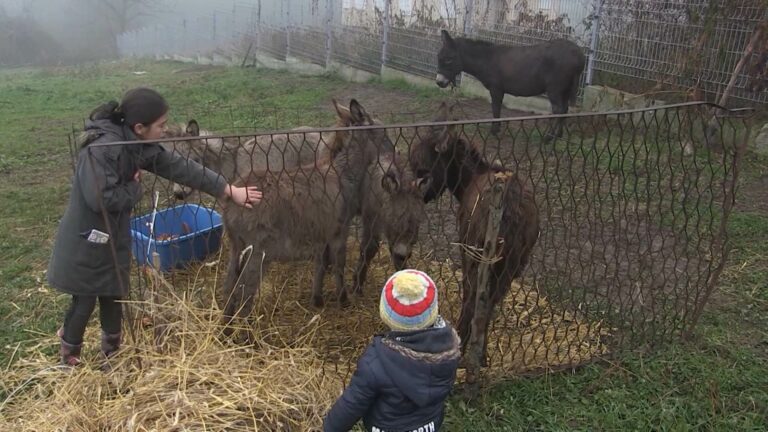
(629, 211)
(646, 46)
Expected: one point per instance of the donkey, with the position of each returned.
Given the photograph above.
(306, 212)
(455, 164)
(553, 67)
(233, 157)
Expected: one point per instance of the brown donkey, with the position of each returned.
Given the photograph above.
(454, 164)
(306, 212)
(236, 157)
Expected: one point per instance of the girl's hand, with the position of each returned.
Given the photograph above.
(137, 176)
(244, 196)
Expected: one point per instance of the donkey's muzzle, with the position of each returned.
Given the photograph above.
(180, 194)
(399, 261)
(400, 254)
(442, 81)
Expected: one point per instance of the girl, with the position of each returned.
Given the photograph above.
(92, 252)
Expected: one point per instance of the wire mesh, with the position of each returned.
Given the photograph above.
(629, 211)
(359, 47)
(646, 46)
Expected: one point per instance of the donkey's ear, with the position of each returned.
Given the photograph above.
(447, 39)
(441, 145)
(193, 129)
(448, 135)
(390, 183)
(358, 113)
(424, 184)
(453, 111)
(341, 110)
(442, 112)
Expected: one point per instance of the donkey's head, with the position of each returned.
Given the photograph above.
(198, 150)
(435, 151)
(396, 201)
(449, 62)
(368, 143)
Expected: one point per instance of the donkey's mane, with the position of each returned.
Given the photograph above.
(475, 43)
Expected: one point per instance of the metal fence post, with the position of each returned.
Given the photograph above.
(469, 15)
(385, 34)
(258, 27)
(184, 43)
(469, 12)
(156, 46)
(234, 22)
(328, 32)
(287, 29)
(594, 41)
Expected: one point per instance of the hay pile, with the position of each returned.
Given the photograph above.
(177, 374)
(189, 380)
(529, 334)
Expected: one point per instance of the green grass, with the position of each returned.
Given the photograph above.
(706, 387)
(717, 381)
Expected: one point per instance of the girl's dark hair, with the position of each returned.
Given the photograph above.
(139, 106)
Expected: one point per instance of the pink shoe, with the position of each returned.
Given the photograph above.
(70, 354)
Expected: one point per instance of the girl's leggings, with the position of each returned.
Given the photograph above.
(79, 312)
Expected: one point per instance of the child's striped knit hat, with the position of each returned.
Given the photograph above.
(409, 301)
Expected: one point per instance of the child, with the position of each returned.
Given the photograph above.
(92, 252)
(404, 376)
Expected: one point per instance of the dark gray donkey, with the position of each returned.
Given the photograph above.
(553, 67)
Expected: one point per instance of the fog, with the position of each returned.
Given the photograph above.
(44, 32)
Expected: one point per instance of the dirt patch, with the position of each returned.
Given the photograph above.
(198, 68)
(753, 196)
(401, 106)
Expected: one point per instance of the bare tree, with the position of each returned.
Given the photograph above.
(123, 15)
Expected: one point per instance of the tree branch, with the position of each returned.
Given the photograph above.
(742, 61)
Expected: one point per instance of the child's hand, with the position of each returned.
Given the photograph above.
(244, 196)
(137, 176)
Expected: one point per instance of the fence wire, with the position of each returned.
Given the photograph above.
(614, 233)
(650, 47)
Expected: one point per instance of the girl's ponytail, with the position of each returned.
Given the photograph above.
(109, 111)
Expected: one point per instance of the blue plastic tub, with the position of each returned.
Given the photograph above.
(182, 235)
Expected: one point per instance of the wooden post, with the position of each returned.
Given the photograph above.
(475, 351)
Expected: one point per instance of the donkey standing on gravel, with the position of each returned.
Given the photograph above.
(553, 67)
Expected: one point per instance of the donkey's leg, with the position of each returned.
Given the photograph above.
(339, 254)
(228, 288)
(469, 279)
(498, 288)
(322, 258)
(558, 100)
(497, 97)
(253, 272)
(241, 299)
(369, 246)
(327, 257)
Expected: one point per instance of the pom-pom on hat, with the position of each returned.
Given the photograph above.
(409, 301)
